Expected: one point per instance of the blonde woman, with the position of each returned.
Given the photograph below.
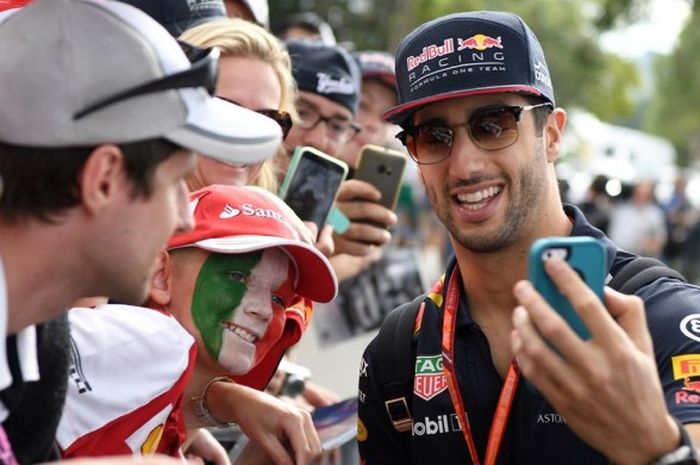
(254, 72)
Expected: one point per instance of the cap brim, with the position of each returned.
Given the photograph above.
(222, 130)
(398, 114)
(316, 279)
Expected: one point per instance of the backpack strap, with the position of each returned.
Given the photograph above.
(396, 369)
(639, 272)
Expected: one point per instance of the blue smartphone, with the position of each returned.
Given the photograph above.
(585, 255)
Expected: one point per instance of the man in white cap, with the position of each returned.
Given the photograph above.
(100, 114)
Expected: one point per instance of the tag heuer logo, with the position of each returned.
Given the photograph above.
(429, 380)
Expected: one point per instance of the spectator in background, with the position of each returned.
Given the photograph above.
(306, 26)
(329, 85)
(377, 94)
(680, 218)
(256, 11)
(176, 16)
(94, 176)
(596, 206)
(689, 260)
(637, 224)
(255, 72)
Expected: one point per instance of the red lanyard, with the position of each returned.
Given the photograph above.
(505, 400)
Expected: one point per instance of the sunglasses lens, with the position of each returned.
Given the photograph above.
(282, 118)
(494, 129)
(431, 143)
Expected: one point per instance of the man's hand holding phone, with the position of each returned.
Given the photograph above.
(607, 387)
(369, 221)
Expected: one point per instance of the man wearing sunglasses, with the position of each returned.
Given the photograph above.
(101, 112)
(476, 105)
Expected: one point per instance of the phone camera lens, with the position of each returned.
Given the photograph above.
(381, 169)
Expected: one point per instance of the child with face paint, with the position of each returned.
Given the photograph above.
(228, 285)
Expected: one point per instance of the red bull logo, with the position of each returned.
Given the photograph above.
(429, 380)
(430, 53)
(691, 385)
(690, 394)
(479, 42)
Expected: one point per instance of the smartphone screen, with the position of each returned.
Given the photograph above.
(311, 185)
(585, 255)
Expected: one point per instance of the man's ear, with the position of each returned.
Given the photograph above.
(553, 131)
(100, 177)
(160, 294)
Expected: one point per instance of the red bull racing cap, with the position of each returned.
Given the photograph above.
(468, 53)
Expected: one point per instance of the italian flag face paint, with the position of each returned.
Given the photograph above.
(238, 305)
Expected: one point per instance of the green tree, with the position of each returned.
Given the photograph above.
(674, 109)
(583, 74)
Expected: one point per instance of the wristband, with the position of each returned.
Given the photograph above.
(201, 409)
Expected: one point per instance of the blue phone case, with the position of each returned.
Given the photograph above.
(585, 255)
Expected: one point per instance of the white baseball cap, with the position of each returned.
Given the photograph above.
(88, 72)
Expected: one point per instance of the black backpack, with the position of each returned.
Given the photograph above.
(396, 373)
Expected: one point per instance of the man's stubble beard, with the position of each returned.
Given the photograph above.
(521, 215)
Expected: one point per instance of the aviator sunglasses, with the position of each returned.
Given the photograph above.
(203, 72)
(281, 117)
(491, 128)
